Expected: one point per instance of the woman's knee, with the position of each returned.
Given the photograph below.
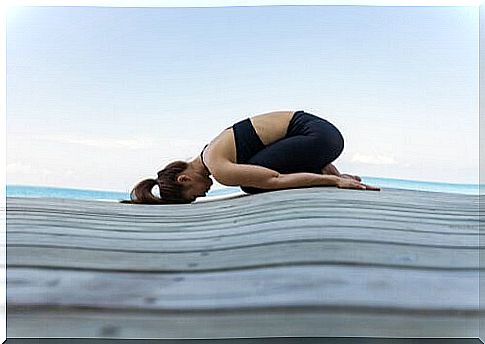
(339, 144)
(333, 143)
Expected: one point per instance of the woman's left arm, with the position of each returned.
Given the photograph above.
(232, 174)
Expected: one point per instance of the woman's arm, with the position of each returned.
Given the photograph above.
(231, 174)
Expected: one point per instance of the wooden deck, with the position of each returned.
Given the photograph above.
(302, 262)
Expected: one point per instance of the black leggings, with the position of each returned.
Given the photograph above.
(310, 144)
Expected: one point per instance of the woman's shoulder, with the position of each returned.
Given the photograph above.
(221, 149)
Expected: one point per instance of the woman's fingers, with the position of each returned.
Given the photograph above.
(370, 187)
(347, 183)
(349, 176)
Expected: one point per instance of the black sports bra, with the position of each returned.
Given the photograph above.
(201, 158)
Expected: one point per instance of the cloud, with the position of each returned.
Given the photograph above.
(375, 159)
(16, 168)
(118, 143)
(101, 142)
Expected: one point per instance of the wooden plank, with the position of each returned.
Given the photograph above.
(234, 227)
(301, 286)
(257, 235)
(32, 322)
(359, 253)
(404, 205)
(321, 212)
(402, 198)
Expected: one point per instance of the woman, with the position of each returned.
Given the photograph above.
(271, 151)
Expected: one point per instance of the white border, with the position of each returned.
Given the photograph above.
(148, 3)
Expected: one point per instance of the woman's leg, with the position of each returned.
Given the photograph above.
(295, 154)
(331, 169)
(311, 143)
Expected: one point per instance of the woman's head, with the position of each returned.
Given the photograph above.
(179, 182)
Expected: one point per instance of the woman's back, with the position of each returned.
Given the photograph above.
(270, 127)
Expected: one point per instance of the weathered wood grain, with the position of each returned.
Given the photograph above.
(314, 261)
(80, 322)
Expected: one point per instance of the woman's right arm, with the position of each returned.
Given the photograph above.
(231, 174)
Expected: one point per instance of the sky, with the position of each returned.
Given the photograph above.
(100, 97)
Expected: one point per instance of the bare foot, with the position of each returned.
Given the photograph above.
(349, 176)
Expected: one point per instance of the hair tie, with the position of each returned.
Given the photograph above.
(159, 191)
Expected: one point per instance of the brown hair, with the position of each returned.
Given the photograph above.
(170, 189)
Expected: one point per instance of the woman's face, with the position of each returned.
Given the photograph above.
(197, 186)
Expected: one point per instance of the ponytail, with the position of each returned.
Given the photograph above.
(142, 193)
(171, 191)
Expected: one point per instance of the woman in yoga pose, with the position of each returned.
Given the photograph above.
(271, 151)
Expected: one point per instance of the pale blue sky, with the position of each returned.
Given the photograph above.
(103, 97)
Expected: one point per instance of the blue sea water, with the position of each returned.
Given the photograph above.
(69, 193)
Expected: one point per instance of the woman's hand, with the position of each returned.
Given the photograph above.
(350, 176)
(331, 169)
(350, 183)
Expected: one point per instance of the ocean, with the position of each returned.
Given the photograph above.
(86, 194)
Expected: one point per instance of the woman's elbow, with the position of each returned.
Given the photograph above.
(270, 183)
(225, 179)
